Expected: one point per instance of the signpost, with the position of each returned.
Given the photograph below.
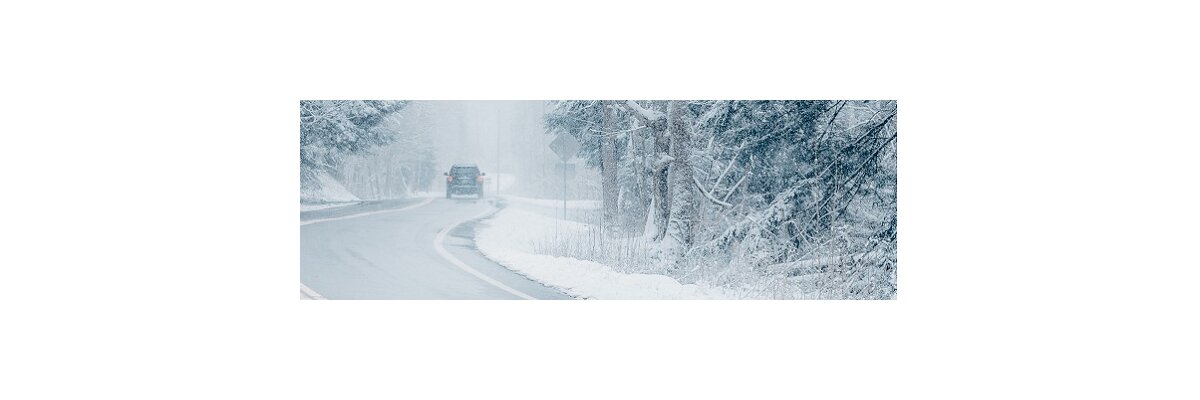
(566, 147)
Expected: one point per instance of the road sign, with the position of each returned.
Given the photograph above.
(565, 146)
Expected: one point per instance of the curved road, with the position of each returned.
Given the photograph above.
(405, 249)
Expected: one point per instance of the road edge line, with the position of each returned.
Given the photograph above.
(311, 294)
(437, 246)
(427, 201)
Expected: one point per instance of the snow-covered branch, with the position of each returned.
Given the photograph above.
(734, 187)
(643, 113)
(709, 195)
(601, 133)
(719, 178)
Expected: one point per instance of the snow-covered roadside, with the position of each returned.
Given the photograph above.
(508, 238)
(331, 194)
(321, 206)
(571, 204)
(330, 191)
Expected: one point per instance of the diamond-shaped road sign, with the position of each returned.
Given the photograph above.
(565, 146)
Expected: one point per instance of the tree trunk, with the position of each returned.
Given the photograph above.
(608, 167)
(683, 195)
(634, 177)
(661, 211)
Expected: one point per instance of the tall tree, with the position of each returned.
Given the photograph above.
(608, 165)
(682, 184)
(660, 210)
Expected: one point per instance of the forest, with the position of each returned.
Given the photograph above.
(786, 198)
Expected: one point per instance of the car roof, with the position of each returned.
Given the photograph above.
(464, 165)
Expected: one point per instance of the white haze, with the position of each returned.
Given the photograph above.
(738, 199)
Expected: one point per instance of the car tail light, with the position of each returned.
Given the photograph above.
(479, 179)
(449, 179)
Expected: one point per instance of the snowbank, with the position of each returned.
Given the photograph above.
(331, 191)
(508, 239)
(571, 204)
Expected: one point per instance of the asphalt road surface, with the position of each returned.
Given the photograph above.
(405, 249)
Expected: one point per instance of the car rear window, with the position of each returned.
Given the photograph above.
(464, 171)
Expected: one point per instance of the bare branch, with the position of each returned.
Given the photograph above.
(734, 187)
(709, 196)
(719, 178)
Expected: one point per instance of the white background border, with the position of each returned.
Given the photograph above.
(149, 161)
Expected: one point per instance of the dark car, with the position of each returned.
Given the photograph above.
(464, 179)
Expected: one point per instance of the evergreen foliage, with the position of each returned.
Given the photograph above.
(330, 130)
(799, 193)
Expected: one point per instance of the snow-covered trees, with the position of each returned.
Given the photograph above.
(800, 194)
(655, 159)
(401, 168)
(638, 139)
(330, 130)
(375, 149)
(820, 203)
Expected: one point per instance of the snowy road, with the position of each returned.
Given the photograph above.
(406, 249)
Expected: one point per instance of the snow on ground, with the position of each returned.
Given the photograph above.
(571, 204)
(506, 181)
(508, 239)
(331, 191)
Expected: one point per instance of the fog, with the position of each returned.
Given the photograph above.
(748, 199)
(506, 139)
